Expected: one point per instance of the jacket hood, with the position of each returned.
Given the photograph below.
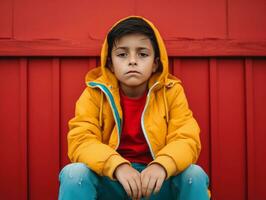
(106, 74)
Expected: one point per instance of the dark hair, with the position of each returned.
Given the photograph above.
(130, 26)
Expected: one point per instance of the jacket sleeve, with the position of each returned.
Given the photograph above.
(85, 137)
(182, 141)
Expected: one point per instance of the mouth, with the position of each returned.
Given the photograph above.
(132, 72)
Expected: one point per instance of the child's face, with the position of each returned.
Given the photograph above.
(133, 60)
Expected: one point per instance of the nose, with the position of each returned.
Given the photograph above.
(132, 60)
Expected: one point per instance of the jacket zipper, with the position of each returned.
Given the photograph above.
(110, 99)
(142, 121)
(115, 112)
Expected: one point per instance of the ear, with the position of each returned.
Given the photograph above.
(156, 64)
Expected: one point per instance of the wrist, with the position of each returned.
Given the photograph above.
(119, 167)
(160, 166)
(167, 163)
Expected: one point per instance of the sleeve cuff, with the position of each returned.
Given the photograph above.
(111, 164)
(168, 164)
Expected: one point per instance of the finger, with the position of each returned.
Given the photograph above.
(144, 184)
(134, 188)
(158, 185)
(150, 187)
(126, 187)
(138, 182)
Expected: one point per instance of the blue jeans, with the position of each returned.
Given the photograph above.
(77, 181)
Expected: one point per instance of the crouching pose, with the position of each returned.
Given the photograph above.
(133, 135)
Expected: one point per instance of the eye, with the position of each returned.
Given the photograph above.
(122, 55)
(143, 54)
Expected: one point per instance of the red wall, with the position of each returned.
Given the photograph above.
(217, 48)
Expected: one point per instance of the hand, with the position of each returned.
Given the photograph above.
(152, 179)
(130, 180)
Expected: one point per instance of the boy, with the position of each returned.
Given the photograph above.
(133, 134)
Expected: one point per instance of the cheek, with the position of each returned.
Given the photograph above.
(118, 63)
(115, 65)
(149, 65)
(149, 62)
(118, 71)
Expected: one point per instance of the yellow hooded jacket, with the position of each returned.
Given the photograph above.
(171, 132)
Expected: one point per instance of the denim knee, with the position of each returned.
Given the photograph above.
(192, 184)
(193, 175)
(77, 174)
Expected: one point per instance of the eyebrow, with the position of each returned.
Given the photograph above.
(126, 48)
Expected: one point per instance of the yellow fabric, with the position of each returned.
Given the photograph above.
(168, 124)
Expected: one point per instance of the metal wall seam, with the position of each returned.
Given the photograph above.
(23, 67)
(250, 145)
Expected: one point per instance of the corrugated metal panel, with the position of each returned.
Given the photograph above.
(38, 97)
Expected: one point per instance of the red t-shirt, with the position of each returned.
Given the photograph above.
(133, 145)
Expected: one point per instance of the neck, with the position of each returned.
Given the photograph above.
(134, 92)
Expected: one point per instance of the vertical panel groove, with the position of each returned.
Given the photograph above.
(171, 65)
(56, 105)
(250, 165)
(24, 127)
(214, 126)
(177, 67)
(98, 61)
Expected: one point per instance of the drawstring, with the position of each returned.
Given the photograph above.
(165, 104)
(101, 111)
